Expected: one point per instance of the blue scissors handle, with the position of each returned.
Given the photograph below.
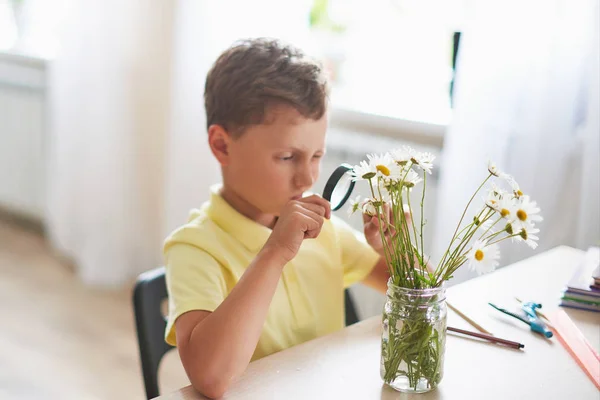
(534, 322)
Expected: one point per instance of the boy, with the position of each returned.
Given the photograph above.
(244, 281)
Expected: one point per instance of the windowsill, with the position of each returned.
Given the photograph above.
(30, 59)
(22, 71)
(421, 132)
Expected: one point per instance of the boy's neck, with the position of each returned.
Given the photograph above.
(247, 209)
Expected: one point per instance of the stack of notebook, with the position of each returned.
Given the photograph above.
(583, 290)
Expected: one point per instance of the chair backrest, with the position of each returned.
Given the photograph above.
(149, 292)
(351, 315)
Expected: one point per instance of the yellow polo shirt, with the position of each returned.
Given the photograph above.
(206, 258)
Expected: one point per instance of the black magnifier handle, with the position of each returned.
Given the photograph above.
(332, 183)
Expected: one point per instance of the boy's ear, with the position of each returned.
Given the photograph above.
(219, 141)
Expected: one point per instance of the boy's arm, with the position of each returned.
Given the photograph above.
(216, 347)
(378, 277)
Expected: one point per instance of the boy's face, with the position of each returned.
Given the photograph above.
(275, 162)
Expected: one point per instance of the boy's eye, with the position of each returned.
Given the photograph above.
(318, 156)
(286, 158)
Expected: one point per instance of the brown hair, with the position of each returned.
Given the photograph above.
(255, 75)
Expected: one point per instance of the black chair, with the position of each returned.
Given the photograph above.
(148, 294)
(351, 316)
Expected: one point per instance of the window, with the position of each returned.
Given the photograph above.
(388, 57)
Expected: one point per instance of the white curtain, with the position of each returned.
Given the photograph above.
(527, 97)
(127, 155)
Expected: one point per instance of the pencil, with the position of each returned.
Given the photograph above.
(469, 320)
(509, 343)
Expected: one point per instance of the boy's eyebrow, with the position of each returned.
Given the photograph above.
(299, 150)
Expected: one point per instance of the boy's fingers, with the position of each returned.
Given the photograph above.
(372, 228)
(387, 211)
(316, 208)
(312, 219)
(315, 199)
(366, 218)
(314, 224)
(375, 222)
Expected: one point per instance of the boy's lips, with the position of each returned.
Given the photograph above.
(298, 197)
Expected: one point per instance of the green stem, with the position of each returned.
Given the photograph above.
(383, 239)
(461, 219)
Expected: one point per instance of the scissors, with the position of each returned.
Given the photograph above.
(531, 317)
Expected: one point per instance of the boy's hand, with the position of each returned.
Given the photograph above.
(372, 232)
(299, 220)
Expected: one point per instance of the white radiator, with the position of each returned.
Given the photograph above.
(22, 114)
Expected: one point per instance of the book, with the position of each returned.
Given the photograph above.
(567, 295)
(582, 281)
(580, 305)
(596, 277)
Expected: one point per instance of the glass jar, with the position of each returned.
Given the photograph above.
(413, 339)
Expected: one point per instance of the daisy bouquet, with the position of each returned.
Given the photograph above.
(412, 346)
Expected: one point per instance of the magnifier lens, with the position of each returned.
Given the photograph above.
(339, 187)
(340, 191)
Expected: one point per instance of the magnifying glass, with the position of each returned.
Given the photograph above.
(339, 187)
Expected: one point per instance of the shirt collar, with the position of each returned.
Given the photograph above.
(250, 233)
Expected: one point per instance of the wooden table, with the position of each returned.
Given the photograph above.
(345, 365)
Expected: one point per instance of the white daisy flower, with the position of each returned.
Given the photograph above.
(354, 205)
(513, 184)
(495, 195)
(528, 236)
(395, 174)
(364, 170)
(525, 213)
(517, 193)
(383, 164)
(424, 161)
(506, 207)
(403, 154)
(411, 178)
(483, 258)
(493, 168)
(368, 207)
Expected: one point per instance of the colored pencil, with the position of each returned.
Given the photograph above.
(469, 320)
(494, 339)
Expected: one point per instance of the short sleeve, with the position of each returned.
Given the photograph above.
(358, 257)
(195, 281)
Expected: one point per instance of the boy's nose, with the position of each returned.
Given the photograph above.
(304, 178)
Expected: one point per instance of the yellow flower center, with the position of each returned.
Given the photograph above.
(383, 169)
(519, 193)
(522, 215)
(479, 255)
(504, 212)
